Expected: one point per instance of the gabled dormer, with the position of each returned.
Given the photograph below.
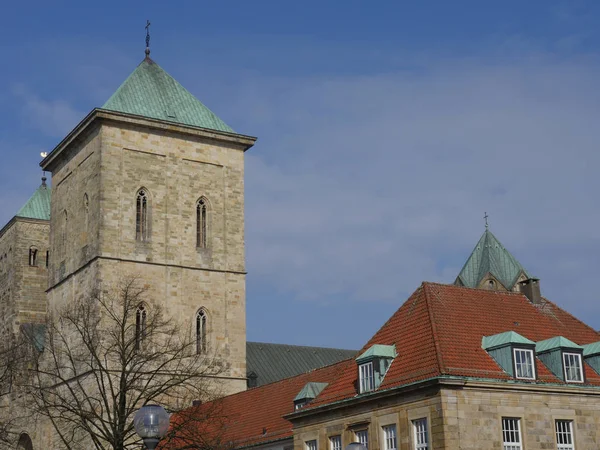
(372, 366)
(513, 352)
(591, 355)
(563, 357)
(309, 392)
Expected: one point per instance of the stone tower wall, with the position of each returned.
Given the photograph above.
(110, 165)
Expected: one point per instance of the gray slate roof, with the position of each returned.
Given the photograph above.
(274, 362)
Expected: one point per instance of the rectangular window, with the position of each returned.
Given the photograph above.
(367, 381)
(524, 366)
(362, 436)
(311, 445)
(573, 370)
(389, 437)
(335, 443)
(420, 434)
(564, 435)
(511, 433)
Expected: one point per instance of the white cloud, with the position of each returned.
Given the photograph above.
(365, 186)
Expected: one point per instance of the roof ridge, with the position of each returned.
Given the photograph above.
(439, 359)
(572, 315)
(301, 346)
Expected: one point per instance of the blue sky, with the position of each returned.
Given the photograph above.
(386, 130)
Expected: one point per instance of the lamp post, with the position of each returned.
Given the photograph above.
(151, 423)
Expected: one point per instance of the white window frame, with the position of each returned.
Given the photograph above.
(512, 438)
(577, 359)
(390, 440)
(420, 434)
(335, 442)
(362, 436)
(311, 445)
(531, 360)
(564, 433)
(366, 377)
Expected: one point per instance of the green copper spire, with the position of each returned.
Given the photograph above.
(38, 206)
(490, 256)
(151, 92)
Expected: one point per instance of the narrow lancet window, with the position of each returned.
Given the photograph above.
(33, 256)
(201, 332)
(141, 218)
(201, 223)
(140, 326)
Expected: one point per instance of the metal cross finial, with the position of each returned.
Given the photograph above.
(485, 217)
(147, 38)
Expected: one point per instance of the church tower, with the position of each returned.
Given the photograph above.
(152, 185)
(491, 266)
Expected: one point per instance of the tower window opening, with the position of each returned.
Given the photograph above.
(201, 332)
(141, 218)
(140, 326)
(201, 223)
(33, 256)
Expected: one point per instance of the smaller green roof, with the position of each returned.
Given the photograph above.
(378, 351)
(490, 256)
(555, 343)
(151, 92)
(591, 349)
(38, 206)
(506, 338)
(310, 391)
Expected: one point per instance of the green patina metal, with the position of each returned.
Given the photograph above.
(490, 256)
(502, 339)
(556, 343)
(151, 92)
(499, 346)
(591, 349)
(310, 391)
(377, 351)
(38, 206)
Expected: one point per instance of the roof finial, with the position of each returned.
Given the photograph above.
(43, 155)
(485, 217)
(147, 38)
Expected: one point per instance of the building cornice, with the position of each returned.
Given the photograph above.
(98, 114)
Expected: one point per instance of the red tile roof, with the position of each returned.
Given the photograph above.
(255, 416)
(438, 331)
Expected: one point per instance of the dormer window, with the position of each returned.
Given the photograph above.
(573, 367)
(524, 365)
(513, 352)
(373, 365)
(563, 357)
(366, 379)
(309, 392)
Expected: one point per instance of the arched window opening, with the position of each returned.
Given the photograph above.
(63, 243)
(24, 442)
(201, 332)
(201, 223)
(140, 326)
(47, 258)
(33, 256)
(141, 217)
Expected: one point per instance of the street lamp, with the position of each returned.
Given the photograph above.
(151, 423)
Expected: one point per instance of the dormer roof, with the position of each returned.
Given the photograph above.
(310, 391)
(151, 92)
(490, 257)
(556, 343)
(502, 339)
(377, 351)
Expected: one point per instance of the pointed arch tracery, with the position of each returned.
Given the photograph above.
(201, 331)
(202, 222)
(142, 215)
(141, 316)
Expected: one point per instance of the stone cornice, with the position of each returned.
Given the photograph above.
(97, 114)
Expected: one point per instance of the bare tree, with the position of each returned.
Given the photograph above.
(108, 354)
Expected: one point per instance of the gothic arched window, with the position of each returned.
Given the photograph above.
(140, 326)
(86, 210)
(24, 442)
(63, 244)
(141, 216)
(201, 329)
(202, 223)
(33, 256)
